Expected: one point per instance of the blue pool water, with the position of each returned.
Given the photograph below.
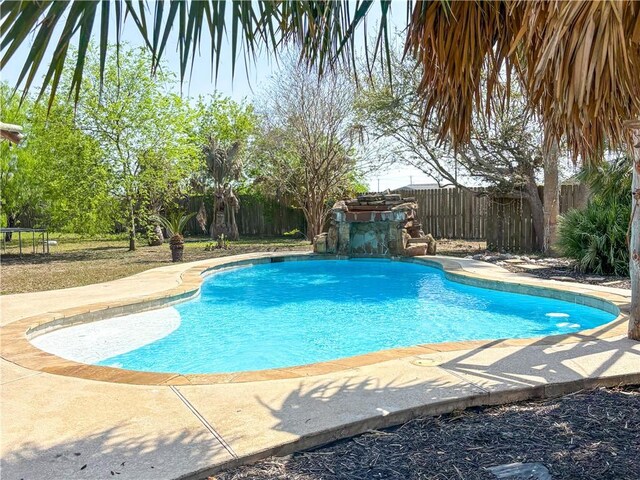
(294, 313)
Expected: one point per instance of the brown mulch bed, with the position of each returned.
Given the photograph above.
(550, 272)
(557, 268)
(586, 435)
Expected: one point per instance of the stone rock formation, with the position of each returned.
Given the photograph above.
(383, 224)
(320, 243)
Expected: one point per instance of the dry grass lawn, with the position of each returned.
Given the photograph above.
(75, 262)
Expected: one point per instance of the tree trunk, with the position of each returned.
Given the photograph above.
(312, 229)
(233, 226)
(11, 223)
(213, 228)
(537, 211)
(315, 223)
(551, 198)
(634, 243)
(132, 232)
(582, 196)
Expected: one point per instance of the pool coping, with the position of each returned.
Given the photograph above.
(16, 347)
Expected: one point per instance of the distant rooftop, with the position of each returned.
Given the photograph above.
(420, 186)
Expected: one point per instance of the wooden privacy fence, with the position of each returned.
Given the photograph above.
(471, 214)
(509, 225)
(456, 213)
(509, 221)
(257, 216)
(452, 212)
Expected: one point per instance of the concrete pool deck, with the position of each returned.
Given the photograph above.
(61, 420)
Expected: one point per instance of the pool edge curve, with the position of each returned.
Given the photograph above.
(16, 347)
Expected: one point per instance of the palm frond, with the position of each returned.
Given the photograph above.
(323, 30)
(174, 223)
(583, 71)
(611, 179)
(223, 163)
(580, 62)
(464, 48)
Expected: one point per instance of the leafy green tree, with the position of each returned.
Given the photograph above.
(54, 177)
(75, 182)
(143, 131)
(229, 121)
(18, 191)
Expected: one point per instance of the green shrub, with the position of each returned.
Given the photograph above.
(597, 236)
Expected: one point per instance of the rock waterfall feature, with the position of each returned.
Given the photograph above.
(379, 225)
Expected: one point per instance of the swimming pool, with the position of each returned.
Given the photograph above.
(293, 313)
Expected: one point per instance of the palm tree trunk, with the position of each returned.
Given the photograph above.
(214, 230)
(551, 198)
(233, 226)
(634, 243)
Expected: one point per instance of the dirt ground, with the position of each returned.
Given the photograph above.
(554, 268)
(585, 436)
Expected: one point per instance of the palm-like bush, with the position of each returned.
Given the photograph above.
(597, 236)
(175, 225)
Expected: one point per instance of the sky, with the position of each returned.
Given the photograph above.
(245, 84)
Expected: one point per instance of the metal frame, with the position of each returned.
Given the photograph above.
(43, 233)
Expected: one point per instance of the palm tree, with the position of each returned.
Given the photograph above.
(224, 167)
(175, 225)
(579, 62)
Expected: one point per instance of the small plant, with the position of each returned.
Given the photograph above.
(220, 243)
(596, 238)
(175, 225)
(294, 233)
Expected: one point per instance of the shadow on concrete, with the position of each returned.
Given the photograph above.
(582, 436)
(110, 454)
(590, 362)
(327, 410)
(320, 411)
